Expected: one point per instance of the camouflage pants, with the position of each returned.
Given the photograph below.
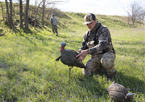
(96, 62)
(54, 29)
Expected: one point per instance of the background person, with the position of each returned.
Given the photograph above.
(54, 23)
(97, 42)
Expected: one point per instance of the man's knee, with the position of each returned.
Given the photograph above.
(91, 66)
(108, 60)
(87, 72)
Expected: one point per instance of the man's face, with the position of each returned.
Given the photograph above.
(91, 25)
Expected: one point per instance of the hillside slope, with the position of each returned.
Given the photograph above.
(29, 72)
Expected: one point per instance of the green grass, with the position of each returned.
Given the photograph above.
(29, 72)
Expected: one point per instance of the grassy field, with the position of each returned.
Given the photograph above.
(29, 72)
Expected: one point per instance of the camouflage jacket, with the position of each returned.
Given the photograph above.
(98, 40)
(53, 20)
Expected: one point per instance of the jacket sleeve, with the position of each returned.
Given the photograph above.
(51, 20)
(84, 43)
(56, 20)
(103, 41)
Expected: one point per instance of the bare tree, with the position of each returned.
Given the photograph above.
(141, 16)
(134, 11)
(36, 11)
(26, 14)
(40, 9)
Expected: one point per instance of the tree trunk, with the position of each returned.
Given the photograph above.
(133, 20)
(11, 19)
(21, 12)
(26, 14)
(7, 8)
(2, 10)
(128, 19)
(43, 13)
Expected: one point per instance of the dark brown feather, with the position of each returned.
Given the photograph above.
(68, 57)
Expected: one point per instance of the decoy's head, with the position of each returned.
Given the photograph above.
(130, 95)
(63, 44)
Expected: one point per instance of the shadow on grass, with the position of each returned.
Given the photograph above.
(47, 29)
(1, 32)
(27, 30)
(28, 38)
(35, 36)
(98, 88)
(92, 86)
(3, 64)
(135, 84)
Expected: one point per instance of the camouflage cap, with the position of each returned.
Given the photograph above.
(90, 17)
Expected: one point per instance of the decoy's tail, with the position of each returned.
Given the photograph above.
(58, 58)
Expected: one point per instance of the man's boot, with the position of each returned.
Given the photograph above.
(111, 74)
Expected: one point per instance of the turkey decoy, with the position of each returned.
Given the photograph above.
(119, 93)
(68, 57)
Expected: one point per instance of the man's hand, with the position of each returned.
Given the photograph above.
(82, 55)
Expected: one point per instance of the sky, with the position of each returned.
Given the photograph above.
(105, 7)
